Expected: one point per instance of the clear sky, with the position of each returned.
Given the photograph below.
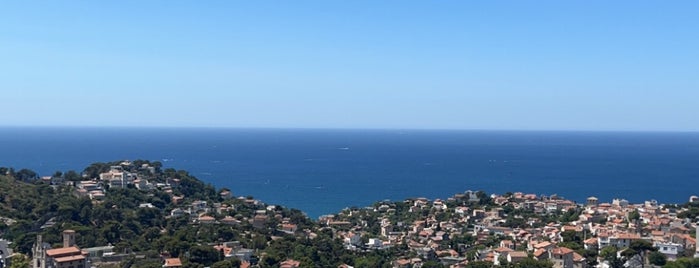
(549, 65)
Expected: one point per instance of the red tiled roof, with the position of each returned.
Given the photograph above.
(591, 241)
(70, 258)
(289, 264)
(542, 244)
(518, 254)
(628, 236)
(173, 262)
(502, 249)
(63, 251)
(562, 251)
(539, 252)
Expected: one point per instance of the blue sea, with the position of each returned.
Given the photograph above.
(324, 171)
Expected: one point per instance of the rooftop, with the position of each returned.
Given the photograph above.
(63, 251)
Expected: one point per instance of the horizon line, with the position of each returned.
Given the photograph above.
(343, 128)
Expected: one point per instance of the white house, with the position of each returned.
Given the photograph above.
(671, 250)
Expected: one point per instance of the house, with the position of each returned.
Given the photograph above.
(96, 195)
(199, 206)
(562, 257)
(289, 228)
(142, 184)
(225, 194)
(352, 240)
(541, 254)
(500, 253)
(579, 261)
(592, 201)
(116, 177)
(591, 243)
(374, 243)
(5, 253)
(259, 221)
(671, 250)
(68, 256)
(401, 263)
(545, 245)
(235, 250)
(507, 244)
(623, 240)
(146, 205)
(172, 262)
(228, 220)
(516, 256)
(89, 186)
(290, 264)
(176, 212)
(205, 219)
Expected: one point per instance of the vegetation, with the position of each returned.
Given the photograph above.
(139, 221)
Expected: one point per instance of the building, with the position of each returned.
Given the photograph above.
(562, 257)
(592, 201)
(172, 263)
(290, 263)
(516, 256)
(623, 240)
(671, 250)
(69, 256)
(5, 253)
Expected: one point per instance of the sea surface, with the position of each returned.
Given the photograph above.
(324, 171)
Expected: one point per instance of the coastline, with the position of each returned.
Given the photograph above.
(288, 166)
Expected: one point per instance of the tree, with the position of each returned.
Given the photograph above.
(19, 261)
(479, 264)
(683, 263)
(634, 215)
(71, 175)
(432, 264)
(204, 255)
(657, 258)
(232, 263)
(26, 175)
(639, 247)
(609, 255)
(532, 263)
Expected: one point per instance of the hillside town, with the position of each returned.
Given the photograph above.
(494, 239)
(469, 229)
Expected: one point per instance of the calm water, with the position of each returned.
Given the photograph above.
(323, 171)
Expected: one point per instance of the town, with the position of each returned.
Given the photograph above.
(134, 214)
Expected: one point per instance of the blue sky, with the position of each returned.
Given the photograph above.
(549, 65)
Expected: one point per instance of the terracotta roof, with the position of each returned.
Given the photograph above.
(543, 244)
(591, 241)
(173, 262)
(63, 251)
(69, 258)
(206, 218)
(402, 261)
(628, 236)
(539, 252)
(502, 249)
(289, 263)
(518, 254)
(562, 251)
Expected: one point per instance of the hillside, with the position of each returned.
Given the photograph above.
(137, 214)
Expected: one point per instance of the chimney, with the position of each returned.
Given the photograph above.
(68, 238)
